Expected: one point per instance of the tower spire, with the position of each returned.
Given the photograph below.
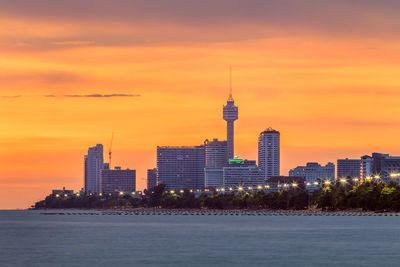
(230, 98)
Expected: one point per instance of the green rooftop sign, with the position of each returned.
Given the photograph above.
(236, 160)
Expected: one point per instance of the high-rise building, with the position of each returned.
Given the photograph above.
(348, 168)
(216, 158)
(313, 171)
(216, 153)
(117, 180)
(93, 165)
(230, 114)
(382, 165)
(366, 167)
(151, 178)
(181, 167)
(243, 173)
(269, 152)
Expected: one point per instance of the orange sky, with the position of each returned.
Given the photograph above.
(332, 90)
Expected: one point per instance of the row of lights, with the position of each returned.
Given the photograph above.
(259, 187)
(101, 194)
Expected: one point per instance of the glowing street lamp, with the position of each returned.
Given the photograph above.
(327, 182)
(267, 187)
(222, 189)
(355, 180)
(315, 183)
(172, 192)
(181, 191)
(100, 194)
(240, 188)
(230, 188)
(308, 184)
(57, 195)
(377, 177)
(285, 185)
(259, 187)
(343, 180)
(294, 185)
(368, 178)
(121, 193)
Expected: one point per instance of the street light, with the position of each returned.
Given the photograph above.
(240, 188)
(294, 185)
(327, 182)
(343, 180)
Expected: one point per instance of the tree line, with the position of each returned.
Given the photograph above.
(343, 195)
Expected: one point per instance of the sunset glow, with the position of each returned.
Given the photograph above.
(332, 90)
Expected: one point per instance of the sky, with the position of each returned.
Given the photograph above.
(323, 73)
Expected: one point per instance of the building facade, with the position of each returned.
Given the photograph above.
(118, 180)
(216, 153)
(313, 172)
(243, 173)
(151, 178)
(366, 167)
(93, 162)
(348, 168)
(269, 152)
(380, 165)
(181, 167)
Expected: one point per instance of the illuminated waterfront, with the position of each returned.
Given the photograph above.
(116, 238)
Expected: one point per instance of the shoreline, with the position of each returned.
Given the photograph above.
(207, 212)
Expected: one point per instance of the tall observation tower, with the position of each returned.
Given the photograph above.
(230, 114)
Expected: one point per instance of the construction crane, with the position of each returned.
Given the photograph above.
(109, 151)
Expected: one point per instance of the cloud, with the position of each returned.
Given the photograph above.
(12, 96)
(96, 95)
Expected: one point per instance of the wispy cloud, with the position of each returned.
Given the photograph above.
(12, 96)
(72, 43)
(96, 95)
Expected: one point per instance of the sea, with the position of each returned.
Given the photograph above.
(31, 238)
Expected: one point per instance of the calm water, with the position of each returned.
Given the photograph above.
(30, 239)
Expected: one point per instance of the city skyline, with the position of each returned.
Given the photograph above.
(326, 78)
